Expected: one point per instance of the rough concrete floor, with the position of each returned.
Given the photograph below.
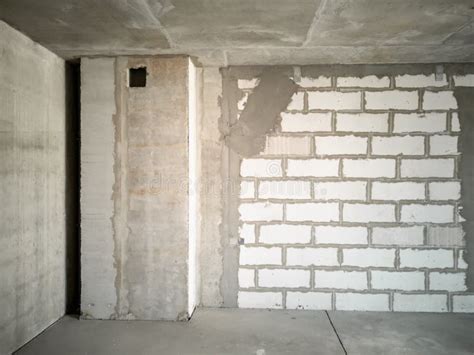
(262, 332)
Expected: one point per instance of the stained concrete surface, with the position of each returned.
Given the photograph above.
(33, 234)
(222, 32)
(231, 331)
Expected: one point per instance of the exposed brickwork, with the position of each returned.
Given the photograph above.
(354, 203)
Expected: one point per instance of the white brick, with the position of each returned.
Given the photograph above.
(247, 189)
(427, 168)
(398, 236)
(464, 80)
(362, 122)
(366, 81)
(319, 82)
(420, 303)
(419, 122)
(297, 101)
(341, 145)
(310, 122)
(446, 236)
(369, 257)
(361, 302)
(461, 262)
(340, 235)
(450, 190)
(443, 145)
(261, 168)
(273, 300)
(289, 189)
(309, 300)
(334, 100)
(247, 83)
(247, 233)
(398, 190)
(432, 258)
(441, 100)
(455, 125)
(419, 81)
(311, 256)
(260, 256)
(243, 101)
(283, 278)
(280, 145)
(398, 145)
(384, 100)
(261, 211)
(347, 190)
(246, 278)
(285, 234)
(316, 212)
(463, 303)
(353, 280)
(427, 213)
(448, 281)
(313, 167)
(362, 213)
(398, 280)
(369, 168)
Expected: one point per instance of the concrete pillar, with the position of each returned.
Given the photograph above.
(140, 221)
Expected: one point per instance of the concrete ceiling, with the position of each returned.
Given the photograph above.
(239, 32)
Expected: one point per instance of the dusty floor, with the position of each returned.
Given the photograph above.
(231, 331)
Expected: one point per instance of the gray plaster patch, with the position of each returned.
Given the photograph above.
(464, 97)
(261, 113)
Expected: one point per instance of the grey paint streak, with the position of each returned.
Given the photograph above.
(261, 113)
(464, 97)
(32, 189)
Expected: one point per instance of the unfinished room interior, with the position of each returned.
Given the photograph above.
(236, 177)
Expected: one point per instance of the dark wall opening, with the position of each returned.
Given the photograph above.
(73, 173)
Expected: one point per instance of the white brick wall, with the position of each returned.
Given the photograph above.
(369, 168)
(309, 300)
(349, 280)
(449, 281)
(289, 189)
(439, 100)
(397, 100)
(398, 280)
(347, 190)
(362, 122)
(419, 122)
(341, 145)
(369, 257)
(334, 100)
(313, 167)
(316, 212)
(393, 191)
(398, 145)
(284, 278)
(340, 235)
(427, 168)
(312, 256)
(310, 122)
(420, 303)
(364, 213)
(353, 204)
(285, 234)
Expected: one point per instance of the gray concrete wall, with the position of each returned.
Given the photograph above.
(136, 234)
(32, 189)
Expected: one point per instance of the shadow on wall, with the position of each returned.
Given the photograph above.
(73, 140)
